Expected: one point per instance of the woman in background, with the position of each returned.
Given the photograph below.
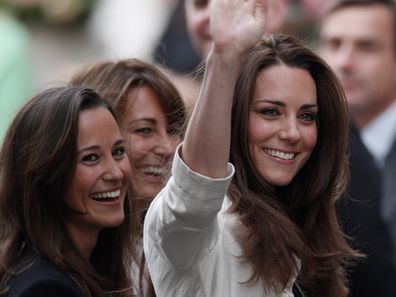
(152, 116)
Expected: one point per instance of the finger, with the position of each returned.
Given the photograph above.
(261, 11)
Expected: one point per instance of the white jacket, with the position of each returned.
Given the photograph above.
(189, 240)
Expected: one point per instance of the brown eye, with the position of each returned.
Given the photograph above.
(308, 117)
(90, 158)
(269, 112)
(118, 152)
(144, 131)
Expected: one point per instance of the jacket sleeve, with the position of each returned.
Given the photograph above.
(182, 219)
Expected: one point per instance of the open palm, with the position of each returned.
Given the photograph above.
(237, 24)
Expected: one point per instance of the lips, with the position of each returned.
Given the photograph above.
(279, 154)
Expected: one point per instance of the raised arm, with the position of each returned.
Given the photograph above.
(236, 26)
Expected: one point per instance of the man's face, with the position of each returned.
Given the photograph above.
(358, 43)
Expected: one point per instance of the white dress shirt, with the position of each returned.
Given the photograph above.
(379, 135)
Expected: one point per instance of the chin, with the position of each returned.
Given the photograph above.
(115, 223)
(279, 182)
(147, 194)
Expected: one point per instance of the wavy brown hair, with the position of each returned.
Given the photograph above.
(37, 163)
(297, 221)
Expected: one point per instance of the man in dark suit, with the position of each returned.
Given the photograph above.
(358, 40)
(361, 220)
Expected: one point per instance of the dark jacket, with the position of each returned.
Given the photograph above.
(361, 219)
(42, 279)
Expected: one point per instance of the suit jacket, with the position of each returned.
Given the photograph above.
(42, 279)
(389, 195)
(361, 219)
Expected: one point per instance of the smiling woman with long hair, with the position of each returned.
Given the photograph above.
(66, 223)
(152, 116)
(250, 207)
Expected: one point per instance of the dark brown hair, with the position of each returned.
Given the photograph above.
(114, 80)
(297, 221)
(37, 163)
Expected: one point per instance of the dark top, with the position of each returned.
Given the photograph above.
(361, 219)
(42, 279)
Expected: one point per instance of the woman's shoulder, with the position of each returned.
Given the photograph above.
(39, 277)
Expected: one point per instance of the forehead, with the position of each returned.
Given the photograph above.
(96, 125)
(143, 100)
(359, 22)
(297, 86)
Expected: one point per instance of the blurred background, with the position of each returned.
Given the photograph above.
(43, 42)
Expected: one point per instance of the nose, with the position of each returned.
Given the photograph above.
(205, 17)
(203, 21)
(165, 144)
(113, 171)
(343, 60)
(290, 131)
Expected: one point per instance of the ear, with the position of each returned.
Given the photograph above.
(277, 11)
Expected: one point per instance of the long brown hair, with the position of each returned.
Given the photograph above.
(37, 162)
(284, 227)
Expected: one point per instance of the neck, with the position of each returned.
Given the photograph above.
(363, 118)
(85, 240)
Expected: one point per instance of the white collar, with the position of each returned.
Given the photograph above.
(379, 134)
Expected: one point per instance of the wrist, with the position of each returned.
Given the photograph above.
(229, 57)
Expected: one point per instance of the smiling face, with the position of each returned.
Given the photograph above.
(151, 141)
(99, 184)
(282, 126)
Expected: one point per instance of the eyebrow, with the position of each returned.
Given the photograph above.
(97, 147)
(282, 104)
(150, 120)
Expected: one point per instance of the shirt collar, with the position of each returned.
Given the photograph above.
(379, 134)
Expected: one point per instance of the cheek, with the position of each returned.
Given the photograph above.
(138, 147)
(125, 167)
(310, 136)
(258, 131)
(80, 187)
(176, 141)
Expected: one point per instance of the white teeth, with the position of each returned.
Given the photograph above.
(154, 170)
(279, 154)
(113, 194)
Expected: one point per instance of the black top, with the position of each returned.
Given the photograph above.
(42, 279)
(361, 219)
